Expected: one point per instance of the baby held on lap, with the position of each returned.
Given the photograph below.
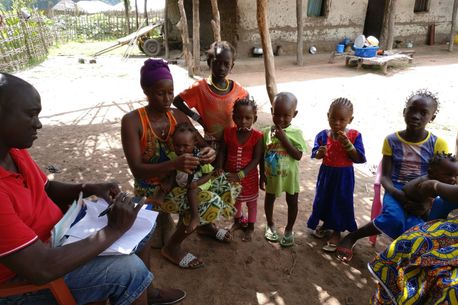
(442, 167)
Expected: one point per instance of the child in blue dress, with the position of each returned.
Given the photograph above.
(339, 148)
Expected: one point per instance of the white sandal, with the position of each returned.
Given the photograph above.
(187, 259)
(221, 234)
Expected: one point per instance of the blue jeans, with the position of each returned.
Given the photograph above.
(121, 279)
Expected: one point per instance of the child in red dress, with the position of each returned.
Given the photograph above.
(241, 153)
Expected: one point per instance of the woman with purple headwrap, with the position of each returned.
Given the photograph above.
(147, 143)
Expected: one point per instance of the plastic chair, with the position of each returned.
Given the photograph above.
(376, 201)
(58, 288)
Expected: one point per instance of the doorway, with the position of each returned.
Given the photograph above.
(375, 15)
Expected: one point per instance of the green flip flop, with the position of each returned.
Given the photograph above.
(287, 240)
(271, 234)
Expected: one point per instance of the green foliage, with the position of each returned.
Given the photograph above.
(6, 5)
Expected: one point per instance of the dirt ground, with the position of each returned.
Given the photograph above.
(82, 108)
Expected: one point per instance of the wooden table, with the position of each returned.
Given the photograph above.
(380, 60)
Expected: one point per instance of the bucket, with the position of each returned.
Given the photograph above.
(340, 48)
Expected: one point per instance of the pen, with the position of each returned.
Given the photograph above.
(105, 212)
(134, 200)
(123, 196)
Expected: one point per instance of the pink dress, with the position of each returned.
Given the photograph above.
(238, 157)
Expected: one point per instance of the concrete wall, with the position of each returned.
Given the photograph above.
(414, 26)
(343, 18)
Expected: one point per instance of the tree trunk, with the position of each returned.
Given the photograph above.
(452, 30)
(216, 23)
(388, 26)
(166, 29)
(196, 36)
(300, 32)
(268, 54)
(183, 26)
(145, 11)
(126, 12)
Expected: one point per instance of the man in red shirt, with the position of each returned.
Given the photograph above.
(30, 205)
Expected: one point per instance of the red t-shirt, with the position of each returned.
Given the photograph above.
(26, 211)
(215, 110)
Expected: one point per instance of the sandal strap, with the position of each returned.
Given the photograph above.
(221, 234)
(189, 257)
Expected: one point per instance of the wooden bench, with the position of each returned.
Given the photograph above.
(380, 60)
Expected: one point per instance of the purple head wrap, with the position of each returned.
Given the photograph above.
(154, 70)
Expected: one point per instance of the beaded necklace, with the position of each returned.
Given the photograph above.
(218, 88)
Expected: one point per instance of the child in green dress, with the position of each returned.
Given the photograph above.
(283, 148)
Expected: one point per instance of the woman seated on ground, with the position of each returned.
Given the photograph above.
(420, 266)
(147, 141)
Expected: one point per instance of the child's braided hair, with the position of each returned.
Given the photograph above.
(425, 93)
(341, 101)
(438, 158)
(246, 101)
(217, 48)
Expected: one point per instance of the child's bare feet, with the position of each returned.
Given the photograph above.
(248, 233)
(195, 221)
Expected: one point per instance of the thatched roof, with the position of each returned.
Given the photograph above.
(64, 5)
(92, 7)
(153, 5)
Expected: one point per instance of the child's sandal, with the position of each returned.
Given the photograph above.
(271, 234)
(287, 240)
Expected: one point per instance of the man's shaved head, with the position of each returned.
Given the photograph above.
(11, 88)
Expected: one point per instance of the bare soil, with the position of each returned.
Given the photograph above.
(82, 108)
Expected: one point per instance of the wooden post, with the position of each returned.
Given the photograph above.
(268, 54)
(452, 30)
(145, 11)
(136, 15)
(183, 25)
(300, 32)
(216, 23)
(126, 12)
(166, 29)
(196, 36)
(388, 26)
(26, 38)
